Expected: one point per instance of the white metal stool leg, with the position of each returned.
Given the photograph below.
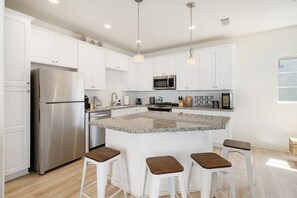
(155, 185)
(121, 174)
(225, 152)
(83, 178)
(144, 185)
(101, 179)
(249, 167)
(182, 185)
(214, 184)
(171, 181)
(205, 187)
(232, 185)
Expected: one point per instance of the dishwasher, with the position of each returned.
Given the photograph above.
(95, 136)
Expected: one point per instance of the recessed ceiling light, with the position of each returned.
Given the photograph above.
(107, 26)
(54, 1)
(225, 21)
(193, 27)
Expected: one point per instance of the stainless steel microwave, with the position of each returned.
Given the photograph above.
(164, 82)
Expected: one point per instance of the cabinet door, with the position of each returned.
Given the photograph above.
(207, 69)
(17, 129)
(131, 81)
(223, 67)
(42, 50)
(164, 65)
(65, 52)
(117, 61)
(16, 51)
(85, 64)
(98, 68)
(187, 75)
(146, 72)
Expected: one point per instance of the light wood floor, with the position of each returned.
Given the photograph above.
(275, 173)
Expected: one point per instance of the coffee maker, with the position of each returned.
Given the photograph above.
(226, 100)
(138, 101)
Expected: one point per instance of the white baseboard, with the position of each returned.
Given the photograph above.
(16, 175)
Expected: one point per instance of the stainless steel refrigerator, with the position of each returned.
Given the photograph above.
(57, 113)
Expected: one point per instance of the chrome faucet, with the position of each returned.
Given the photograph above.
(113, 102)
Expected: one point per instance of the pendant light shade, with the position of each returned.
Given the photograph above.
(191, 60)
(138, 58)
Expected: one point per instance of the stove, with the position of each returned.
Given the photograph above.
(165, 106)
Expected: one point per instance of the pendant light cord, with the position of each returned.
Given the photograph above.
(138, 41)
(191, 29)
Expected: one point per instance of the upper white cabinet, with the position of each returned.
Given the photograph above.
(215, 68)
(16, 51)
(140, 76)
(164, 65)
(92, 65)
(187, 75)
(116, 61)
(53, 49)
(17, 93)
(145, 75)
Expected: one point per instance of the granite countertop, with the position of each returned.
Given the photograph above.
(106, 108)
(204, 109)
(158, 122)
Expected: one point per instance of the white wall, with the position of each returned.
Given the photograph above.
(114, 83)
(1, 102)
(258, 117)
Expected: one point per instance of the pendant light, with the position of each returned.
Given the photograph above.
(138, 58)
(191, 60)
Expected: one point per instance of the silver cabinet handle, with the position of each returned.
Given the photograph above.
(118, 67)
(56, 61)
(28, 83)
(28, 91)
(53, 61)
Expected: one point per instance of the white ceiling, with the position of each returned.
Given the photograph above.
(163, 23)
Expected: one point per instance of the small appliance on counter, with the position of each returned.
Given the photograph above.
(189, 101)
(87, 105)
(159, 100)
(126, 100)
(97, 102)
(152, 100)
(226, 100)
(138, 101)
(216, 104)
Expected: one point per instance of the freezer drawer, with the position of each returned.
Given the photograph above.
(60, 138)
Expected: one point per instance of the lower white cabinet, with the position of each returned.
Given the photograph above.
(17, 131)
(127, 111)
(218, 136)
(92, 65)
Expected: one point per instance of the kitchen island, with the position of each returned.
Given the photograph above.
(152, 133)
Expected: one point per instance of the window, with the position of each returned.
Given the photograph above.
(287, 79)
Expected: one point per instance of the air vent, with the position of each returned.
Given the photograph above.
(225, 21)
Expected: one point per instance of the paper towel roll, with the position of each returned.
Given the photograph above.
(126, 100)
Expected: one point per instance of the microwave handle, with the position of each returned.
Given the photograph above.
(167, 82)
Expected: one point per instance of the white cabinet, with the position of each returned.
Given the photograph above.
(116, 61)
(187, 75)
(220, 135)
(17, 130)
(140, 76)
(145, 75)
(17, 94)
(92, 65)
(127, 111)
(215, 68)
(53, 49)
(164, 65)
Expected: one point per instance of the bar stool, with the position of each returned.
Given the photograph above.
(164, 167)
(211, 164)
(101, 157)
(243, 148)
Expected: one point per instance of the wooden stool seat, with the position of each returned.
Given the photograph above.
(102, 154)
(237, 144)
(164, 165)
(210, 160)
